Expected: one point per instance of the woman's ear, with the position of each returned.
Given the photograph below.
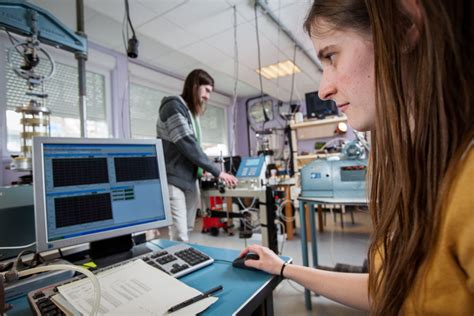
(414, 11)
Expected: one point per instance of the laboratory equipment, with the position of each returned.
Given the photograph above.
(35, 122)
(251, 173)
(341, 176)
(317, 108)
(334, 178)
(87, 190)
(28, 58)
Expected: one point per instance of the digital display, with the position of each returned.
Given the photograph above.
(252, 162)
(92, 188)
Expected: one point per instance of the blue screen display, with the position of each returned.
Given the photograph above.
(92, 188)
(252, 162)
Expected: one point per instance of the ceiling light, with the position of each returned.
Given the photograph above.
(281, 69)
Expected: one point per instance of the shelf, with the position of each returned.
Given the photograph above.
(317, 128)
(315, 156)
(307, 123)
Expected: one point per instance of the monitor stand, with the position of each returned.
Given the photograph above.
(112, 250)
(109, 246)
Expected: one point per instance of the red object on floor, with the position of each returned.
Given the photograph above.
(215, 203)
(212, 224)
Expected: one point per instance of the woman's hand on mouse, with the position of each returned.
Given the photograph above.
(268, 261)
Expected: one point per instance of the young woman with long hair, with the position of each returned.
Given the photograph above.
(403, 70)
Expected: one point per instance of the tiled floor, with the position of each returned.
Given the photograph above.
(335, 245)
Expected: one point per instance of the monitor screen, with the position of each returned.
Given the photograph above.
(91, 189)
(317, 108)
(251, 167)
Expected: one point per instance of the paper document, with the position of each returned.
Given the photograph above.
(135, 288)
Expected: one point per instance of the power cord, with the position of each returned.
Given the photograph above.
(18, 247)
(282, 215)
(234, 92)
(132, 48)
(284, 236)
(259, 57)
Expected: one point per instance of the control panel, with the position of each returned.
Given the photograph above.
(251, 173)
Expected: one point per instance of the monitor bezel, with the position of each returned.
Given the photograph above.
(42, 243)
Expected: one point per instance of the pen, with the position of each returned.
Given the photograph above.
(195, 299)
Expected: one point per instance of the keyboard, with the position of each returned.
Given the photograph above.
(177, 261)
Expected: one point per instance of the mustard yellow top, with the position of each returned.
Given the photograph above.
(447, 286)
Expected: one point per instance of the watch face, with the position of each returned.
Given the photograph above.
(257, 109)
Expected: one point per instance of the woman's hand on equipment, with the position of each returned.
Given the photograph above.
(229, 179)
(268, 260)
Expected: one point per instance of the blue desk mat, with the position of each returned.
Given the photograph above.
(239, 285)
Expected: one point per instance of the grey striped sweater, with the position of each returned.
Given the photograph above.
(183, 154)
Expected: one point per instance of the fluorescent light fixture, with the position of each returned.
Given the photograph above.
(282, 69)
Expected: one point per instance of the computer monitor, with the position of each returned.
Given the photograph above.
(317, 108)
(88, 190)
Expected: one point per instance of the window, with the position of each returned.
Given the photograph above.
(214, 131)
(63, 102)
(144, 104)
(148, 87)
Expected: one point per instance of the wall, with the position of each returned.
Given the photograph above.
(242, 142)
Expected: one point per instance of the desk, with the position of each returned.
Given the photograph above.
(245, 292)
(312, 201)
(267, 219)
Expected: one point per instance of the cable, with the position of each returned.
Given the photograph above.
(234, 93)
(90, 275)
(283, 216)
(332, 141)
(14, 41)
(18, 247)
(293, 74)
(259, 66)
(278, 53)
(127, 11)
(284, 236)
(125, 30)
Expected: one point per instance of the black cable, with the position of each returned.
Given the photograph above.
(14, 42)
(234, 98)
(259, 67)
(127, 9)
(293, 77)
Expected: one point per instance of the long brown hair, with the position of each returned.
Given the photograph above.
(195, 78)
(424, 120)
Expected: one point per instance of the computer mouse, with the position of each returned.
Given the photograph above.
(239, 262)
